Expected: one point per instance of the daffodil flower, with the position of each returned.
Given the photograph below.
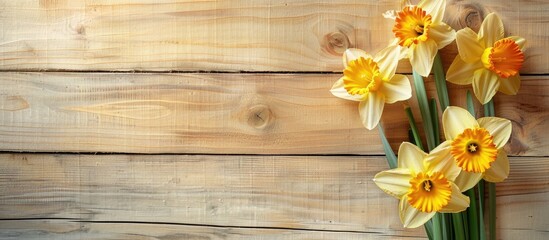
(372, 82)
(420, 32)
(488, 60)
(424, 183)
(476, 146)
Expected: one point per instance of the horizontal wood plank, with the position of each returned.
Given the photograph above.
(220, 114)
(73, 230)
(300, 193)
(261, 35)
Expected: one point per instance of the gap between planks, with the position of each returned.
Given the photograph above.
(215, 154)
(205, 72)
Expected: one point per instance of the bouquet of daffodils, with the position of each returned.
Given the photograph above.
(441, 186)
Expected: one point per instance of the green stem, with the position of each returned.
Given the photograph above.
(459, 232)
(391, 157)
(434, 119)
(465, 218)
(429, 229)
(472, 215)
(492, 209)
(437, 226)
(424, 109)
(440, 83)
(447, 226)
(470, 104)
(482, 231)
(444, 226)
(489, 111)
(413, 126)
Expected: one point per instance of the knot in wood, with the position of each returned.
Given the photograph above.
(471, 16)
(80, 29)
(260, 116)
(336, 43)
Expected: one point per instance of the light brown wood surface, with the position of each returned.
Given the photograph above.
(231, 35)
(270, 194)
(221, 113)
(232, 100)
(73, 230)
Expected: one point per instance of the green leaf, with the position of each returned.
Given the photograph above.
(424, 109)
(413, 126)
(472, 214)
(489, 109)
(457, 221)
(492, 210)
(429, 229)
(391, 157)
(482, 231)
(437, 226)
(434, 119)
(470, 104)
(440, 83)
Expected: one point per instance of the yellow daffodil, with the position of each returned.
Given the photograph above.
(372, 82)
(476, 146)
(424, 183)
(488, 60)
(420, 32)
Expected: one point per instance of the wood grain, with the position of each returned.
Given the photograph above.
(229, 193)
(69, 230)
(235, 35)
(220, 114)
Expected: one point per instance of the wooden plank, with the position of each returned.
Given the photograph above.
(314, 193)
(261, 35)
(301, 193)
(68, 230)
(220, 113)
(323, 193)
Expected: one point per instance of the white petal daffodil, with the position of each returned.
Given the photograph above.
(424, 184)
(420, 32)
(476, 146)
(372, 82)
(487, 60)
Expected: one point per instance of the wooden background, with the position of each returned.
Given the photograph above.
(186, 119)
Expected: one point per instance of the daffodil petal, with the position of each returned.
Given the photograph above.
(434, 8)
(458, 202)
(387, 60)
(396, 89)
(441, 160)
(462, 73)
(499, 170)
(339, 91)
(442, 33)
(422, 57)
(485, 85)
(394, 182)
(411, 157)
(404, 51)
(491, 30)
(520, 41)
(370, 110)
(410, 216)
(467, 180)
(510, 86)
(499, 128)
(352, 54)
(455, 120)
(468, 45)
